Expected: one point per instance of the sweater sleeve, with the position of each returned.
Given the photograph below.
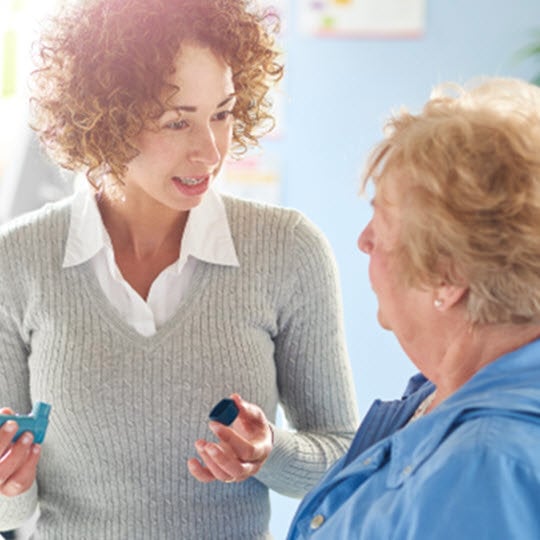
(15, 511)
(314, 377)
(14, 380)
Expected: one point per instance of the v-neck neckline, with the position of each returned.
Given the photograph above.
(109, 312)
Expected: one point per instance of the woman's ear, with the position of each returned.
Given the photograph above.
(447, 296)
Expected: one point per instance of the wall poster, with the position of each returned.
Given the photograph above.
(363, 18)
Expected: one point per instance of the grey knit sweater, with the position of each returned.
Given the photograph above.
(127, 409)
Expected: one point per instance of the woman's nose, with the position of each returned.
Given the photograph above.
(365, 240)
(204, 148)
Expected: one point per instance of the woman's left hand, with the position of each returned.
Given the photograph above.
(241, 450)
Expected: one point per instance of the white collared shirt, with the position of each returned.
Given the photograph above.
(207, 237)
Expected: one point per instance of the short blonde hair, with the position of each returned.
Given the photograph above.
(102, 67)
(469, 169)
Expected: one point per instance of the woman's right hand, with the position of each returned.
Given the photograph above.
(18, 460)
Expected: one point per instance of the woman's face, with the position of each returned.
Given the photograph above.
(178, 162)
(403, 309)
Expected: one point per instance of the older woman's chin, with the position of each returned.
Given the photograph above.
(383, 322)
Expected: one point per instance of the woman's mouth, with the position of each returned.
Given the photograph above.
(191, 185)
(190, 180)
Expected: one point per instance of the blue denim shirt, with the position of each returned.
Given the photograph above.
(468, 470)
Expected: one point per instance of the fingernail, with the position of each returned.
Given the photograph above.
(27, 438)
(36, 449)
(199, 445)
(211, 451)
(10, 426)
(12, 488)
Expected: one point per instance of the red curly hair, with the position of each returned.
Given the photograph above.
(102, 67)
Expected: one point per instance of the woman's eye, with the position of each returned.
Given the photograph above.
(223, 115)
(177, 124)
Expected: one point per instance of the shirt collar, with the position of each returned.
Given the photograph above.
(87, 235)
(497, 389)
(207, 236)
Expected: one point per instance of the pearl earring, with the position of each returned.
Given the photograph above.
(438, 303)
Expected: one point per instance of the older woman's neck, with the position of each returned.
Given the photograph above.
(473, 349)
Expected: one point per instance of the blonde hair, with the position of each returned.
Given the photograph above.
(102, 67)
(469, 171)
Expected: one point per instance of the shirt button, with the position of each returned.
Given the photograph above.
(367, 461)
(407, 470)
(317, 521)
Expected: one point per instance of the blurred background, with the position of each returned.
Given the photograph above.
(349, 64)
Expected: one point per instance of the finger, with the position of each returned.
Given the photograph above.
(229, 438)
(6, 410)
(222, 463)
(253, 425)
(24, 477)
(199, 472)
(208, 462)
(248, 411)
(248, 451)
(226, 466)
(210, 470)
(7, 432)
(15, 457)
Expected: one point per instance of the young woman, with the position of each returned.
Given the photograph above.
(135, 305)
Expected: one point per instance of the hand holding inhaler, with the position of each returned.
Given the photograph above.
(245, 442)
(20, 438)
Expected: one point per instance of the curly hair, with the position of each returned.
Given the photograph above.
(102, 67)
(468, 173)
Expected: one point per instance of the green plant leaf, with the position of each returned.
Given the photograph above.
(528, 51)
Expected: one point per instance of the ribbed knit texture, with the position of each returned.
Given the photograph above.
(127, 409)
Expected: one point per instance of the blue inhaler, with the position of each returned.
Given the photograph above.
(225, 412)
(36, 422)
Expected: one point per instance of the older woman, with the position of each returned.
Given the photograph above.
(454, 247)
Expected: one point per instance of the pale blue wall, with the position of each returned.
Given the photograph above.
(339, 93)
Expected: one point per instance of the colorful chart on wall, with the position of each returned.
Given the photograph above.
(363, 18)
(256, 176)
